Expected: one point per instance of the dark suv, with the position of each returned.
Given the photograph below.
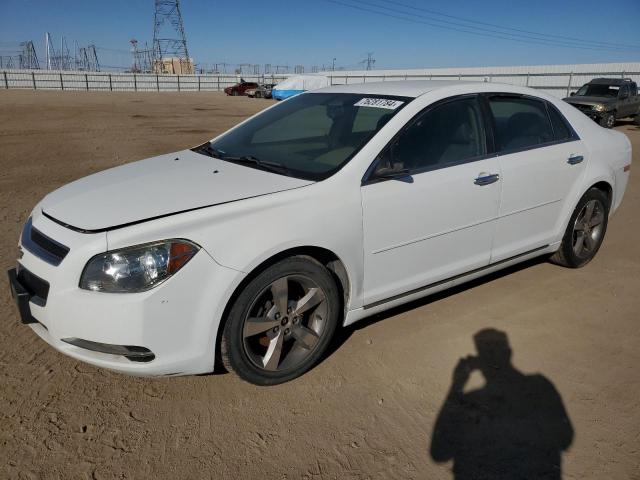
(607, 99)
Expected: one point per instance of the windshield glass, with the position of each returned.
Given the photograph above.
(594, 90)
(309, 136)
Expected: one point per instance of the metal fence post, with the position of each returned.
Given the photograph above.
(198, 82)
(135, 83)
(33, 79)
(61, 82)
(110, 84)
(527, 79)
(86, 81)
(569, 84)
(218, 77)
(157, 82)
(6, 83)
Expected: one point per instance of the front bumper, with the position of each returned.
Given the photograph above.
(173, 326)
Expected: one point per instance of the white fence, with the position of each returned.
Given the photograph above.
(557, 84)
(123, 82)
(558, 80)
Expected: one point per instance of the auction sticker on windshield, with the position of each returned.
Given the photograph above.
(379, 103)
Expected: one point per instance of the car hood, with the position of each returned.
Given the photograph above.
(158, 187)
(588, 100)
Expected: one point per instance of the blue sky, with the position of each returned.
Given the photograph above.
(312, 32)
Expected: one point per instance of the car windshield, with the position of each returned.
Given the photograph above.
(309, 136)
(596, 90)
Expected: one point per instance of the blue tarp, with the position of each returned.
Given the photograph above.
(298, 84)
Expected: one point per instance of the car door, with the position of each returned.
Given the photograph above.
(624, 102)
(435, 220)
(541, 159)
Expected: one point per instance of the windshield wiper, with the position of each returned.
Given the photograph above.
(210, 150)
(263, 164)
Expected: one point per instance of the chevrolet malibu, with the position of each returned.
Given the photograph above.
(250, 250)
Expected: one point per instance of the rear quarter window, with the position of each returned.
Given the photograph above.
(561, 129)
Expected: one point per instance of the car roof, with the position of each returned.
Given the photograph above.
(405, 88)
(610, 81)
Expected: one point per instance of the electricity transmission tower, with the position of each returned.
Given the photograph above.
(142, 62)
(87, 59)
(28, 57)
(369, 61)
(169, 41)
(50, 53)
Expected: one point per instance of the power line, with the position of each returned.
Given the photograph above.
(478, 22)
(401, 15)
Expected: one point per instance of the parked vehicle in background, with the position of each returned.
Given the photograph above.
(262, 91)
(240, 88)
(252, 248)
(606, 100)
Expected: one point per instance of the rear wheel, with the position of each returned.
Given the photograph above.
(282, 322)
(608, 120)
(585, 232)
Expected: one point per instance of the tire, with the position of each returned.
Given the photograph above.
(591, 227)
(266, 346)
(608, 120)
(234, 93)
(258, 95)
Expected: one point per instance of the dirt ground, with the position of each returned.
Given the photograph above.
(368, 410)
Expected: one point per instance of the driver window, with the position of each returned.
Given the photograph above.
(624, 91)
(445, 135)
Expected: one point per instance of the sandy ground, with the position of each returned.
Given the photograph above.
(369, 409)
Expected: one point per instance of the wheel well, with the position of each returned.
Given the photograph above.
(605, 188)
(326, 257)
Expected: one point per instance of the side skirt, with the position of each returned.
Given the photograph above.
(379, 306)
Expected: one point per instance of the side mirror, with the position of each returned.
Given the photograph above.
(624, 96)
(572, 94)
(390, 170)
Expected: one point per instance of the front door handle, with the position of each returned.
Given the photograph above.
(575, 159)
(486, 179)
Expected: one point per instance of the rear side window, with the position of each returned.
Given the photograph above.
(520, 123)
(561, 130)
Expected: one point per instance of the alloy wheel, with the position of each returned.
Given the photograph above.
(588, 228)
(285, 323)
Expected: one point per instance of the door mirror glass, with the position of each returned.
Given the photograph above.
(386, 169)
(572, 94)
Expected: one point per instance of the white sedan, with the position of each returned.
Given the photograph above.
(249, 250)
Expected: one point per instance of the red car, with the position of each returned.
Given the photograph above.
(240, 88)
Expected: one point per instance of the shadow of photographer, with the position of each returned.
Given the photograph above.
(514, 427)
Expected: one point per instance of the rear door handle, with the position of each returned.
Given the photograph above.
(486, 179)
(575, 159)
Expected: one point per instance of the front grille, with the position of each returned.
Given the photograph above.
(42, 246)
(38, 288)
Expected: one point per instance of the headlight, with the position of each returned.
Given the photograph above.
(138, 268)
(599, 107)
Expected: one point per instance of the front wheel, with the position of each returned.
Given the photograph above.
(282, 322)
(608, 120)
(585, 232)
